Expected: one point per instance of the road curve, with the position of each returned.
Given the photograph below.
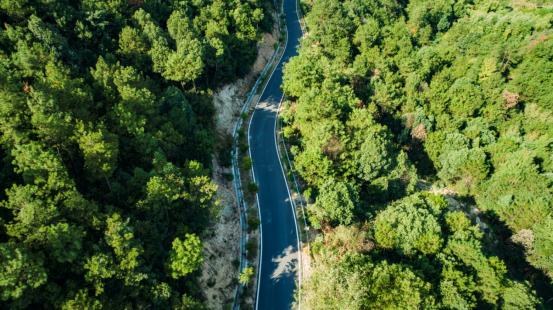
(279, 236)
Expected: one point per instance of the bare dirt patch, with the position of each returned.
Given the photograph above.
(222, 248)
(305, 262)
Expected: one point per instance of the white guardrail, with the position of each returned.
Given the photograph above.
(242, 204)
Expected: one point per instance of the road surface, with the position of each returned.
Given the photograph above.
(279, 237)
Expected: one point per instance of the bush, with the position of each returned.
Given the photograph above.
(243, 146)
(253, 223)
(252, 188)
(211, 282)
(251, 248)
(246, 163)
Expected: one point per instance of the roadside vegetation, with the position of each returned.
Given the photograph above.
(106, 141)
(423, 133)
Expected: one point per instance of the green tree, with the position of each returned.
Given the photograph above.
(465, 168)
(372, 152)
(334, 205)
(99, 268)
(119, 235)
(133, 46)
(185, 256)
(356, 283)
(100, 150)
(82, 300)
(30, 211)
(406, 289)
(186, 63)
(411, 225)
(517, 192)
(64, 241)
(20, 271)
(541, 252)
(534, 72)
(15, 8)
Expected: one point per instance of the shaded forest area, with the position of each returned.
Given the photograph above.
(106, 134)
(423, 131)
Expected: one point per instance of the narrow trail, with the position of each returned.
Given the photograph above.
(278, 274)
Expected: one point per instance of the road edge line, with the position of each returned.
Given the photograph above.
(292, 204)
(260, 256)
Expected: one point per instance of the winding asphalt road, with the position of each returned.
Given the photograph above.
(279, 236)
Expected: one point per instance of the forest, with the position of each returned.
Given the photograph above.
(423, 133)
(106, 142)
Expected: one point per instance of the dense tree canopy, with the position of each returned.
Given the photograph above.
(425, 257)
(389, 99)
(105, 140)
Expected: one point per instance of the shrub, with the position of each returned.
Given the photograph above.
(252, 187)
(247, 163)
(251, 248)
(253, 223)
